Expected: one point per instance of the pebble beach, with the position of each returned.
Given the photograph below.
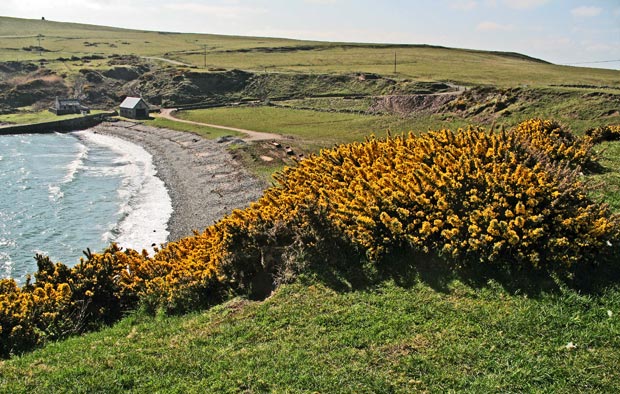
(203, 180)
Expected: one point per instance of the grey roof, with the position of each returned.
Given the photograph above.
(130, 102)
(69, 101)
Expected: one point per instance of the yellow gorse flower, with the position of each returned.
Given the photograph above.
(468, 195)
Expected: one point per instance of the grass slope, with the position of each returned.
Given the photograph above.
(418, 62)
(310, 338)
(314, 128)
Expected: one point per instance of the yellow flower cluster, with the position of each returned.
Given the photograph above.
(509, 197)
(548, 138)
(25, 313)
(605, 133)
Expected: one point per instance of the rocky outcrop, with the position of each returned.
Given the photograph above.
(36, 87)
(123, 73)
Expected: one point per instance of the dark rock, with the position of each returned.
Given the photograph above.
(122, 73)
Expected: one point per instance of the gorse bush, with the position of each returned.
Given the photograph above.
(504, 198)
(471, 196)
(606, 133)
(547, 140)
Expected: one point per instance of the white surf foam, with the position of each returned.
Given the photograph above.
(54, 192)
(76, 163)
(145, 206)
(6, 265)
(71, 169)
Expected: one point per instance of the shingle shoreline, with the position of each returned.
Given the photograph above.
(203, 180)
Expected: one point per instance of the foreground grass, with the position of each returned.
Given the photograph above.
(606, 182)
(310, 338)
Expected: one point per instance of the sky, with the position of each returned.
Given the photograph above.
(574, 32)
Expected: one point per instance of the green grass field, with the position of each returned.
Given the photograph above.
(24, 117)
(203, 131)
(417, 62)
(317, 129)
(308, 338)
(34, 117)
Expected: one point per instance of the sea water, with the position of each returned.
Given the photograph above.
(63, 193)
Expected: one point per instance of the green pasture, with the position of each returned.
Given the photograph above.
(422, 336)
(203, 131)
(21, 38)
(314, 128)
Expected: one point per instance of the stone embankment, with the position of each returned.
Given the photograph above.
(60, 126)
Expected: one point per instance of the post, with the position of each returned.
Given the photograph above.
(39, 39)
(205, 56)
(394, 62)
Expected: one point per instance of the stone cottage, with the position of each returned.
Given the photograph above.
(134, 108)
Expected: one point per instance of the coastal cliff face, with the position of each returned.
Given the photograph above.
(103, 82)
(25, 84)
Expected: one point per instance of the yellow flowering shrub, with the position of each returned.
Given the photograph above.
(30, 314)
(605, 133)
(547, 137)
(470, 196)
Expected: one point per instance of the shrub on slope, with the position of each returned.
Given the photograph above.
(501, 198)
(606, 133)
(471, 196)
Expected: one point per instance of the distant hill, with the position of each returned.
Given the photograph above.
(61, 43)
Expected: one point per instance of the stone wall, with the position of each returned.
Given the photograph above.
(65, 125)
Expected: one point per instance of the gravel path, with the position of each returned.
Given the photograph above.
(163, 59)
(251, 135)
(204, 182)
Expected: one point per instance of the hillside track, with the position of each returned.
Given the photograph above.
(251, 135)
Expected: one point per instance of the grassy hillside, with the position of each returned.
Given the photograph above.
(388, 337)
(66, 39)
(418, 62)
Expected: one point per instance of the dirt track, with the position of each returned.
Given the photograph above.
(252, 135)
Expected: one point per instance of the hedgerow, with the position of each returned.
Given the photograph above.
(500, 198)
